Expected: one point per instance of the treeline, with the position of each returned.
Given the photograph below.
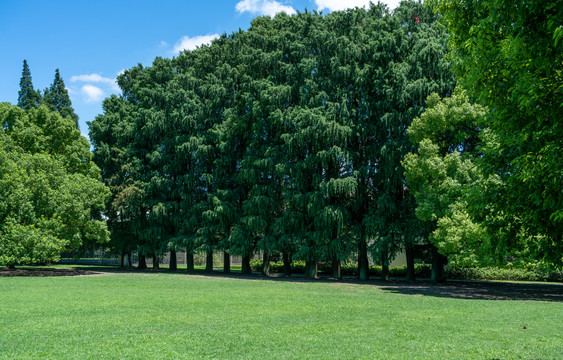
(286, 139)
(340, 138)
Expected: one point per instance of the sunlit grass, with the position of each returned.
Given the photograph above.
(168, 316)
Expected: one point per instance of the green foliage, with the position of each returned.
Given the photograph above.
(450, 187)
(348, 269)
(424, 271)
(57, 99)
(508, 55)
(286, 138)
(28, 98)
(48, 186)
(510, 274)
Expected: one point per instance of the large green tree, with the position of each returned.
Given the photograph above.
(447, 183)
(49, 187)
(509, 57)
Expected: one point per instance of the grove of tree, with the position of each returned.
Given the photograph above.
(320, 138)
(285, 139)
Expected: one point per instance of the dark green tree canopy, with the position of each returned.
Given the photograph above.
(57, 99)
(286, 138)
(28, 98)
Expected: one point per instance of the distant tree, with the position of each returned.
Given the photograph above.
(57, 99)
(28, 98)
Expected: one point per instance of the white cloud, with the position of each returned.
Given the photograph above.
(335, 5)
(263, 7)
(95, 78)
(191, 43)
(92, 93)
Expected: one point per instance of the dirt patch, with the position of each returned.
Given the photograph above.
(44, 272)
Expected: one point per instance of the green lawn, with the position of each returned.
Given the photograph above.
(168, 316)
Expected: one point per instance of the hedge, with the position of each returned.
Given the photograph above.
(423, 271)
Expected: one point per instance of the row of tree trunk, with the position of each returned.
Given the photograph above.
(438, 262)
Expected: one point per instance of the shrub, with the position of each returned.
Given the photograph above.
(493, 273)
(423, 271)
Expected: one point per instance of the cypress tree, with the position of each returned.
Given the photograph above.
(57, 99)
(28, 98)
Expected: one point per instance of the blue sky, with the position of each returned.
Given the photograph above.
(92, 41)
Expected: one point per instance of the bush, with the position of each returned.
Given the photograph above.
(488, 273)
(422, 271)
(347, 269)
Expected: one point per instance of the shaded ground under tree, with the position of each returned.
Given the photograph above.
(459, 289)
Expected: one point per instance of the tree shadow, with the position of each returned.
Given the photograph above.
(46, 272)
(456, 289)
(482, 290)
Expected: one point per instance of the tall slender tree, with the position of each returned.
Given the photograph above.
(57, 99)
(28, 98)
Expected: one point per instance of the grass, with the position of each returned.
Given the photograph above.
(168, 316)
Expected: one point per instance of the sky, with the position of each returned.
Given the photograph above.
(91, 42)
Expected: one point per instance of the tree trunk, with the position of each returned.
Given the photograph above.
(190, 261)
(363, 262)
(122, 261)
(286, 263)
(129, 263)
(266, 263)
(209, 262)
(155, 264)
(226, 262)
(438, 261)
(311, 269)
(173, 261)
(384, 267)
(246, 270)
(409, 250)
(142, 262)
(336, 268)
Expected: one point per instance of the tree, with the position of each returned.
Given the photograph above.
(56, 98)
(28, 98)
(49, 187)
(444, 178)
(509, 57)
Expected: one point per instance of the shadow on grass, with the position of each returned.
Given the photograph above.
(457, 289)
(484, 290)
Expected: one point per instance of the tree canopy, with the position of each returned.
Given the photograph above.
(286, 139)
(48, 186)
(56, 98)
(509, 57)
(28, 98)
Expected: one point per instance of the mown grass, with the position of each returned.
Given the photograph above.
(168, 316)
